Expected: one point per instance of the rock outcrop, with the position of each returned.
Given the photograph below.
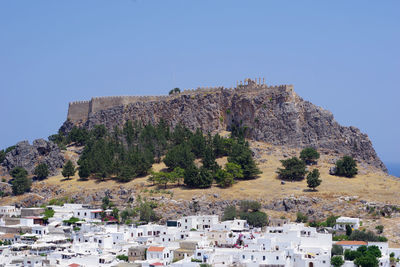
(276, 115)
(29, 156)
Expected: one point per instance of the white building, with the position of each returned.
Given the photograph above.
(341, 223)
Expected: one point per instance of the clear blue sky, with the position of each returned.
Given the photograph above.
(341, 55)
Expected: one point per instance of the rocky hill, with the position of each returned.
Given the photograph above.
(272, 114)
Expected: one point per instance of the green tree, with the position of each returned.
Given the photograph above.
(197, 143)
(346, 167)
(241, 155)
(84, 170)
(348, 230)
(177, 175)
(106, 203)
(351, 255)
(336, 250)
(223, 178)
(115, 213)
(41, 171)
(20, 183)
(2, 156)
(176, 90)
(309, 155)
(366, 260)
(249, 205)
(179, 156)
(230, 213)
(68, 169)
(198, 178)
(313, 180)
(78, 135)
(18, 171)
(301, 218)
(146, 213)
(337, 261)
(331, 221)
(209, 160)
(162, 178)
(255, 218)
(294, 169)
(219, 145)
(374, 250)
(127, 174)
(234, 169)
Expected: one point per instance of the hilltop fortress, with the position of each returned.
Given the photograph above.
(272, 114)
(79, 111)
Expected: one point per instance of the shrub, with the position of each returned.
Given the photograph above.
(346, 167)
(294, 169)
(123, 258)
(379, 229)
(309, 155)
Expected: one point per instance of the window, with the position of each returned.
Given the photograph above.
(243, 256)
(263, 258)
(198, 254)
(277, 257)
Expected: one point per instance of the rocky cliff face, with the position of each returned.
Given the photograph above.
(29, 156)
(276, 115)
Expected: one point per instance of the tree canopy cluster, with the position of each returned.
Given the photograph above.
(364, 256)
(130, 151)
(294, 169)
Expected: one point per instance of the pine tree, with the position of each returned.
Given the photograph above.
(41, 171)
(20, 183)
(68, 169)
(294, 169)
(242, 155)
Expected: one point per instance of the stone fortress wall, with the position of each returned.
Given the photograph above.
(80, 110)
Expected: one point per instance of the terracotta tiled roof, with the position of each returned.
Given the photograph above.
(74, 265)
(351, 243)
(156, 249)
(157, 264)
(7, 236)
